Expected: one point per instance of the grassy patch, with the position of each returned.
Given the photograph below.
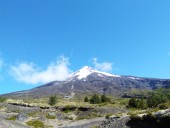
(12, 118)
(2, 107)
(69, 118)
(93, 127)
(35, 123)
(16, 111)
(50, 117)
(35, 114)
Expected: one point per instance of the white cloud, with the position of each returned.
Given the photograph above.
(29, 73)
(104, 66)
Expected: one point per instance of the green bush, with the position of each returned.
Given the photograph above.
(86, 99)
(104, 99)
(133, 103)
(68, 108)
(155, 99)
(35, 123)
(95, 99)
(163, 106)
(2, 99)
(137, 103)
(52, 100)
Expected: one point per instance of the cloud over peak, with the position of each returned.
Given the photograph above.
(29, 73)
(104, 66)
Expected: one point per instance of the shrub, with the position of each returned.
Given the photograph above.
(108, 116)
(69, 118)
(137, 103)
(2, 99)
(86, 99)
(158, 97)
(95, 99)
(104, 99)
(142, 104)
(52, 100)
(163, 106)
(133, 103)
(68, 108)
(35, 123)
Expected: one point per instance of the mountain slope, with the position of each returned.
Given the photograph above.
(88, 80)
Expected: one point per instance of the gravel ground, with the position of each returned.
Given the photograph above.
(9, 124)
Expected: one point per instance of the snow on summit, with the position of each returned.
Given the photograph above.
(85, 71)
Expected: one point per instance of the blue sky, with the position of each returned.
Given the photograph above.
(44, 40)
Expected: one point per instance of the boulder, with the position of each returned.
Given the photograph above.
(22, 117)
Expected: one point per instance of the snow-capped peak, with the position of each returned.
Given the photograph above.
(85, 71)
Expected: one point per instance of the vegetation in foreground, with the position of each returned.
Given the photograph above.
(35, 123)
(91, 106)
(158, 98)
(149, 121)
(52, 100)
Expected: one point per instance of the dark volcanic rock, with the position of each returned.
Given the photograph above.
(115, 122)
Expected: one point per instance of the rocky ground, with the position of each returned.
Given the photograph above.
(159, 119)
(15, 116)
(115, 122)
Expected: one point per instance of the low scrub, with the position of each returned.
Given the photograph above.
(88, 116)
(12, 118)
(35, 124)
(50, 117)
(35, 114)
(108, 116)
(68, 108)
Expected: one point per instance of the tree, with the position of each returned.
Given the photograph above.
(142, 104)
(95, 99)
(52, 100)
(133, 103)
(86, 99)
(2, 99)
(104, 99)
(155, 99)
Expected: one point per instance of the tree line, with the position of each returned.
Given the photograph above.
(95, 99)
(155, 99)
